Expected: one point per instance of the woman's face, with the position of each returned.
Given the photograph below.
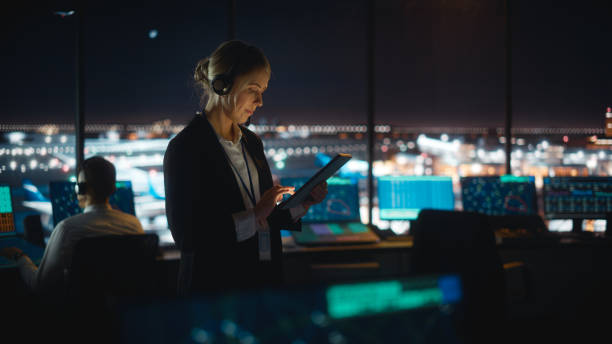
(250, 97)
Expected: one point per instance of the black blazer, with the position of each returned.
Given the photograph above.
(201, 196)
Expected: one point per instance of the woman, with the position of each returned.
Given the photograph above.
(220, 199)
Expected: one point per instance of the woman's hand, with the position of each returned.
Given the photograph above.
(268, 201)
(317, 195)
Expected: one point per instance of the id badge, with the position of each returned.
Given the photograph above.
(264, 246)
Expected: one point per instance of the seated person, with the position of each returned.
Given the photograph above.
(96, 183)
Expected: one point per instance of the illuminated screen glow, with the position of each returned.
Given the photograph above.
(495, 195)
(403, 197)
(7, 221)
(577, 197)
(370, 298)
(64, 202)
(341, 203)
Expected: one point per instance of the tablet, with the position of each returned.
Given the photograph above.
(325, 172)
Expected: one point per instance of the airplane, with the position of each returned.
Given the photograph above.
(161, 194)
(34, 199)
(149, 195)
(64, 14)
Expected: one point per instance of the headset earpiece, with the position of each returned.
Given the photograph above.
(80, 188)
(222, 84)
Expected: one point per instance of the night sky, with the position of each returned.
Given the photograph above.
(438, 63)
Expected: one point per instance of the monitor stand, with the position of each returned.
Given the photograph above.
(577, 225)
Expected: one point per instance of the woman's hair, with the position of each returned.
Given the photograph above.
(100, 175)
(234, 57)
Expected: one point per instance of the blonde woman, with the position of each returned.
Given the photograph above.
(220, 198)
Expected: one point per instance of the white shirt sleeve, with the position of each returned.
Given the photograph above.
(50, 272)
(297, 212)
(246, 226)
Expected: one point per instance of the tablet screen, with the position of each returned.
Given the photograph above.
(325, 172)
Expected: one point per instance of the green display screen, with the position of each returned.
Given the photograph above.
(6, 205)
(359, 299)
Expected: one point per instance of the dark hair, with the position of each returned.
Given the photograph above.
(100, 175)
(237, 56)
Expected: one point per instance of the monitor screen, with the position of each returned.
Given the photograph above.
(403, 197)
(406, 310)
(7, 221)
(341, 203)
(64, 202)
(499, 195)
(577, 197)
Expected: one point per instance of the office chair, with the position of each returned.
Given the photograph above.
(106, 273)
(453, 242)
(33, 231)
(113, 266)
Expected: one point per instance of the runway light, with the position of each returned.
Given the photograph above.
(16, 137)
(476, 168)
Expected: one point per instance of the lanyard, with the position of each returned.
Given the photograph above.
(250, 192)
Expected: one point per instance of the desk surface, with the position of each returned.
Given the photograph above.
(34, 252)
(289, 246)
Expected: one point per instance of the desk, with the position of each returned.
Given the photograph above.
(34, 252)
(336, 263)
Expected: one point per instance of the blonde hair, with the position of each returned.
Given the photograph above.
(234, 57)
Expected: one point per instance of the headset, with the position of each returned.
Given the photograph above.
(222, 84)
(80, 188)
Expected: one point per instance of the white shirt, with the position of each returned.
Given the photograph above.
(246, 226)
(95, 220)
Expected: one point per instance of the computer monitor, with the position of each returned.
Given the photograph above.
(64, 202)
(7, 220)
(577, 197)
(336, 220)
(341, 203)
(499, 195)
(403, 197)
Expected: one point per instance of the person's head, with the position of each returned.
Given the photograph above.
(233, 79)
(96, 181)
